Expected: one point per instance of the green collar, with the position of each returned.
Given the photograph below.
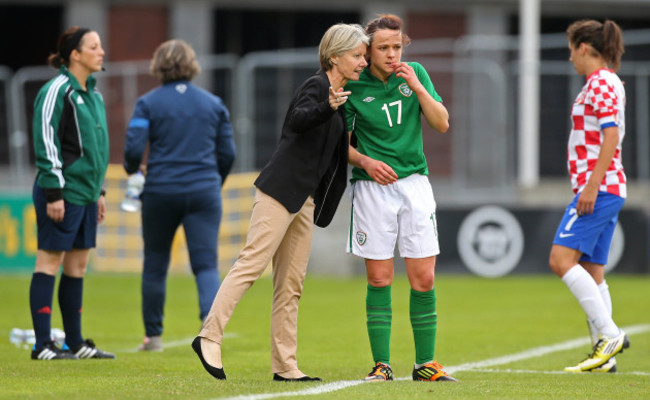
(90, 82)
(391, 77)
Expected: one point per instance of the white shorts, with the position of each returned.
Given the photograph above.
(402, 212)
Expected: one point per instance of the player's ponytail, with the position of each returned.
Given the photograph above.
(612, 44)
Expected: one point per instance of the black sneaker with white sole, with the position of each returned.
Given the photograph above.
(50, 352)
(87, 349)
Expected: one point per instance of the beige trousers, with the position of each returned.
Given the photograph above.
(285, 238)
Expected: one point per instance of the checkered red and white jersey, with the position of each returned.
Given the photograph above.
(600, 104)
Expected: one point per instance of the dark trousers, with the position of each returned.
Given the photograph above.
(200, 215)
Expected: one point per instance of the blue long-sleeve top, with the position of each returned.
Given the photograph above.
(190, 137)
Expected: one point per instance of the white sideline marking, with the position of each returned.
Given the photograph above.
(326, 388)
(178, 343)
(537, 372)
(473, 366)
(539, 351)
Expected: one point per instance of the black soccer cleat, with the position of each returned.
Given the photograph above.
(87, 349)
(433, 372)
(380, 372)
(50, 352)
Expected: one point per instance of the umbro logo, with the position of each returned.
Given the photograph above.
(368, 99)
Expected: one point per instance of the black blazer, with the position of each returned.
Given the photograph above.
(312, 155)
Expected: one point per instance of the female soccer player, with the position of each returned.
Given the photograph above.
(581, 245)
(392, 199)
(71, 148)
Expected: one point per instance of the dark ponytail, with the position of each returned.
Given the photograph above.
(55, 60)
(612, 44)
(69, 40)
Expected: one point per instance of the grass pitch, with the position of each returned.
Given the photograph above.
(481, 324)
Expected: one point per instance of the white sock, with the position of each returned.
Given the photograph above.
(586, 291)
(607, 299)
(593, 332)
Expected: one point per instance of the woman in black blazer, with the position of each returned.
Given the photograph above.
(301, 185)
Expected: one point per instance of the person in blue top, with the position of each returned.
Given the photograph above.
(191, 152)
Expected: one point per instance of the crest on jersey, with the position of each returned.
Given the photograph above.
(405, 90)
(181, 88)
(361, 238)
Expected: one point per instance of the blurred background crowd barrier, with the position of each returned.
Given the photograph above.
(476, 76)
(473, 165)
(119, 239)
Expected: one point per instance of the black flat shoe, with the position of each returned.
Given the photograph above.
(305, 378)
(216, 372)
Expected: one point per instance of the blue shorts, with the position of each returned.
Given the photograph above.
(590, 234)
(78, 230)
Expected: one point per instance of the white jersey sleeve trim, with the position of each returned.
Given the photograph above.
(48, 132)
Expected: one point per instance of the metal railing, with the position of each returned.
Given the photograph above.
(130, 88)
(505, 48)
(5, 79)
(260, 86)
(245, 104)
(640, 125)
(119, 238)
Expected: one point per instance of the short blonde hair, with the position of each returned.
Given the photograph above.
(338, 39)
(174, 60)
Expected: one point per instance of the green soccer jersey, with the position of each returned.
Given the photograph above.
(385, 118)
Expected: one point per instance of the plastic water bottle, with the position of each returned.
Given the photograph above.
(134, 186)
(22, 337)
(17, 336)
(58, 336)
(26, 337)
(30, 336)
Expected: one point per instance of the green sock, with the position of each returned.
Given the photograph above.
(424, 321)
(380, 314)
